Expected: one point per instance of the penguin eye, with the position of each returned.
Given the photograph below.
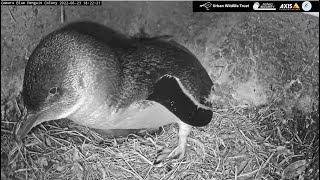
(53, 90)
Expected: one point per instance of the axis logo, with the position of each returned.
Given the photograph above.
(290, 6)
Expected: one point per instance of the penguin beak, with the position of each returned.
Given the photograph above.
(24, 126)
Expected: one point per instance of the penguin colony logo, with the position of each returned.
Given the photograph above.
(306, 6)
(263, 6)
(290, 6)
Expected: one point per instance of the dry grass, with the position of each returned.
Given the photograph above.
(239, 143)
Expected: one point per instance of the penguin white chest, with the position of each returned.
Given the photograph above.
(144, 114)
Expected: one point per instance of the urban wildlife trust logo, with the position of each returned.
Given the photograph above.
(207, 5)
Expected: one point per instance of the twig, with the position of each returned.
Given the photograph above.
(10, 13)
(62, 15)
(144, 158)
(6, 131)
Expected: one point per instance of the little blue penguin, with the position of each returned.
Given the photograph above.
(106, 81)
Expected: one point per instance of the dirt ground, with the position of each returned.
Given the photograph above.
(265, 67)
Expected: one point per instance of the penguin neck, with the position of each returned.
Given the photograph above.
(168, 93)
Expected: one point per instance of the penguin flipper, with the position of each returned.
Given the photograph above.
(170, 94)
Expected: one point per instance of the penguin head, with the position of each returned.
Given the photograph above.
(49, 90)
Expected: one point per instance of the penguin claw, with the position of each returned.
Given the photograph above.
(165, 155)
(178, 152)
(162, 156)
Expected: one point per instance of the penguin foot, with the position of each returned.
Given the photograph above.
(165, 155)
(162, 156)
(178, 152)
